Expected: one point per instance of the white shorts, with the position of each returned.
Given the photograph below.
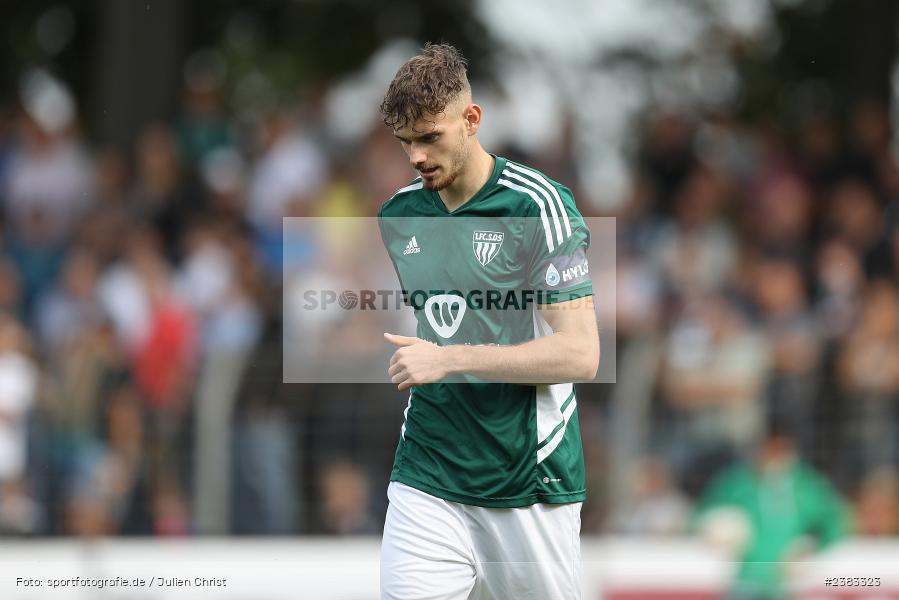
(434, 549)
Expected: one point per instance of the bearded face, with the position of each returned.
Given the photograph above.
(437, 147)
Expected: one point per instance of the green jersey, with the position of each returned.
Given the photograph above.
(474, 276)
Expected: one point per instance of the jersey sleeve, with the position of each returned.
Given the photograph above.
(388, 236)
(558, 239)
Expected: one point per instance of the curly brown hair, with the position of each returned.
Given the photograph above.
(425, 85)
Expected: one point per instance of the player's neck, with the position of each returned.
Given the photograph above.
(476, 173)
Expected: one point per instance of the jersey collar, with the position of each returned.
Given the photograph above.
(499, 163)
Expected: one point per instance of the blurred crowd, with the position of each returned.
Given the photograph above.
(140, 336)
(758, 271)
(140, 320)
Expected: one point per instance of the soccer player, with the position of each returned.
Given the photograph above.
(488, 480)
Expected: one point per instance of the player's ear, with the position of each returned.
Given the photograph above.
(472, 116)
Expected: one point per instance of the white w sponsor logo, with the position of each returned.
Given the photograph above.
(444, 313)
(486, 245)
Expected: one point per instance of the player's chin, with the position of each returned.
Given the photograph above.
(436, 184)
(433, 185)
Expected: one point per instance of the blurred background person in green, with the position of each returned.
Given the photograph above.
(771, 512)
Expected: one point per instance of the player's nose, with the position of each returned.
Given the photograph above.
(417, 156)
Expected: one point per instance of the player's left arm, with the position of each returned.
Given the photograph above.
(569, 354)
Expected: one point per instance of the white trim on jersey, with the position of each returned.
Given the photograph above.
(405, 417)
(545, 194)
(409, 188)
(550, 399)
(546, 228)
(546, 450)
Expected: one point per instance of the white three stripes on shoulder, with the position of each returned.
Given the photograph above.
(539, 189)
(546, 196)
(546, 228)
(541, 179)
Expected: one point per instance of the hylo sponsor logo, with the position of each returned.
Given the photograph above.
(575, 272)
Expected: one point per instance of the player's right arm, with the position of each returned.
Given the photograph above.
(569, 354)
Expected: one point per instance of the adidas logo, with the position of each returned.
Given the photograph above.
(412, 247)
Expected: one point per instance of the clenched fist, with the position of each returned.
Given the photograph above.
(415, 361)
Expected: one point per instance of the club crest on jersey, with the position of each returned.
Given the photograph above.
(486, 245)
